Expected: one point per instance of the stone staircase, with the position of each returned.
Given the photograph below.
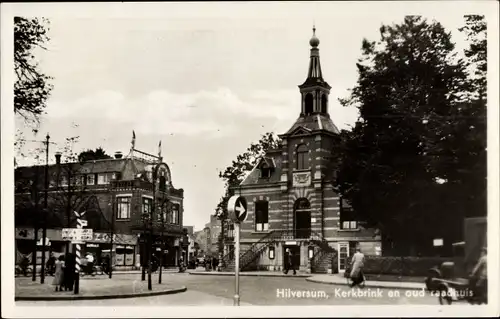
(324, 259)
(249, 256)
(323, 262)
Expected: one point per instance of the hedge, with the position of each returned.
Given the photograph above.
(402, 266)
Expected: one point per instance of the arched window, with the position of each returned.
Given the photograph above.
(163, 183)
(302, 157)
(302, 204)
(324, 102)
(308, 104)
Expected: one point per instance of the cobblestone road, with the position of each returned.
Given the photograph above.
(219, 290)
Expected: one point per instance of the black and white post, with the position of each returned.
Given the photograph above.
(79, 225)
(237, 211)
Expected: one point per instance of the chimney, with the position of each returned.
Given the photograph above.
(118, 155)
(58, 157)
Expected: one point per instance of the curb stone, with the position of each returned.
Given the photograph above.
(98, 297)
(367, 284)
(247, 274)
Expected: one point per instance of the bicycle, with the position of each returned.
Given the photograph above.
(96, 270)
(347, 275)
(20, 272)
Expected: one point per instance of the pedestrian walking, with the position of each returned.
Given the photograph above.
(69, 271)
(90, 264)
(357, 264)
(51, 263)
(58, 280)
(289, 262)
(214, 261)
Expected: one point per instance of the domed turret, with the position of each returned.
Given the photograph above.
(314, 42)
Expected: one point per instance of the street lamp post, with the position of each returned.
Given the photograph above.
(45, 207)
(36, 224)
(153, 209)
(113, 204)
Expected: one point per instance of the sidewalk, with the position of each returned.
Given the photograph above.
(203, 272)
(337, 279)
(92, 288)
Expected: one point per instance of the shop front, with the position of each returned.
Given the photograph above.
(122, 253)
(25, 241)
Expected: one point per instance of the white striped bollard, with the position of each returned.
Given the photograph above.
(79, 225)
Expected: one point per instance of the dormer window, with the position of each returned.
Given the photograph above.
(265, 171)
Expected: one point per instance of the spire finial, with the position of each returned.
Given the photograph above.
(314, 42)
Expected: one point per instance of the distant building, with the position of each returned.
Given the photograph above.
(202, 240)
(117, 196)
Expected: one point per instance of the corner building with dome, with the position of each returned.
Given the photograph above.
(291, 201)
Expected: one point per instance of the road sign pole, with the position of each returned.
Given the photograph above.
(78, 254)
(237, 264)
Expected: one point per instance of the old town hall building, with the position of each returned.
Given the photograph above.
(291, 201)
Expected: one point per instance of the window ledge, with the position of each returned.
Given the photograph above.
(261, 232)
(123, 220)
(301, 170)
(354, 229)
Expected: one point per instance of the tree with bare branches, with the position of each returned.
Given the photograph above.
(32, 87)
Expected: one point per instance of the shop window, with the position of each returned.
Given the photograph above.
(347, 216)
(302, 160)
(261, 216)
(102, 179)
(147, 206)
(123, 207)
(90, 179)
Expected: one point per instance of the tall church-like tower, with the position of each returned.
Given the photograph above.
(314, 90)
(290, 193)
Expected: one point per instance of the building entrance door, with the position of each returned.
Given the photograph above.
(343, 256)
(302, 218)
(295, 250)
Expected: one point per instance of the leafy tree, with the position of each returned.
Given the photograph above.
(233, 175)
(89, 155)
(32, 87)
(410, 85)
(476, 31)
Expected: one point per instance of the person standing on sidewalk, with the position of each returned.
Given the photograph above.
(357, 264)
(69, 271)
(58, 280)
(51, 265)
(289, 262)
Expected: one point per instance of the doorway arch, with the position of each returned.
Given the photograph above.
(302, 218)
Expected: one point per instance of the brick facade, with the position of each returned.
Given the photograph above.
(95, 187)
(300, 174)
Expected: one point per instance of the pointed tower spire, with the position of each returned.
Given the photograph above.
(314, 64)
(314, 90)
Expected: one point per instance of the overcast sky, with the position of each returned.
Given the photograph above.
(205, 79)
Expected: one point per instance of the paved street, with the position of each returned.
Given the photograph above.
(219, 290)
